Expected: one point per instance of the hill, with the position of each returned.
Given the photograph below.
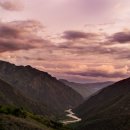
(108, 110)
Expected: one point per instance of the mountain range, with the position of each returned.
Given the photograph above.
(86, 89)
(31, 99)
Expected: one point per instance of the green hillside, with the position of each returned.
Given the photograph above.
(13, 118)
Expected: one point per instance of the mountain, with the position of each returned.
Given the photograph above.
(87, 89)
(40, 86)
(107, 110)
(13, 97)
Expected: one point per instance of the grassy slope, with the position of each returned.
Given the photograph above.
(12, 118)
(8, 122)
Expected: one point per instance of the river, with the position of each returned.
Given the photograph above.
(72, 116)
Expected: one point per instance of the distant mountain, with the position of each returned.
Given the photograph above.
(87, 89)
(40, 86)
(108, 110)
(13, 97)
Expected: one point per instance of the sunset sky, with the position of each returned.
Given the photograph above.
(77, 40)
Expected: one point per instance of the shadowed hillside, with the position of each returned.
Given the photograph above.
(108, 110)
(13, 97)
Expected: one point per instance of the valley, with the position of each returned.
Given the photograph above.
(40, 101)
(86, 89)
(64, 64)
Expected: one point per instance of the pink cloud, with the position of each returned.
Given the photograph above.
(11, 5)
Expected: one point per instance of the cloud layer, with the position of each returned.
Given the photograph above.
(20, 35)
(84, 40)
(80, 54)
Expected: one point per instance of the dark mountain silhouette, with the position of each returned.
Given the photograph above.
(40, 86)
(108, 110)
(86, 89)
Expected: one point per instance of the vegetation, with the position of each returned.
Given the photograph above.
(18, 112)
(15, 117)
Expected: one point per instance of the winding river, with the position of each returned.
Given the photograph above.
(72, 116)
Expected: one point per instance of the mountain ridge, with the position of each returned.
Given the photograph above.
(40, 86)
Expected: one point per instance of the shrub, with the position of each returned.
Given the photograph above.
(9, 110)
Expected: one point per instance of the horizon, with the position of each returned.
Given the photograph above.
(79, 40)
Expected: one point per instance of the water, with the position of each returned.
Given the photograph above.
(73, 117)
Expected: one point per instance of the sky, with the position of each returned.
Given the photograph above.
(78, 40)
